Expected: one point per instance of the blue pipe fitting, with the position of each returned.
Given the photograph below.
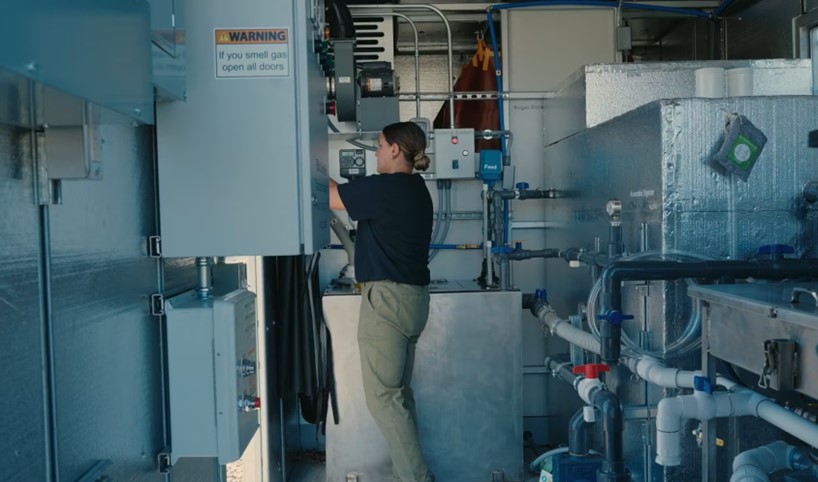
(522, 185)
(702, 384)
(541, 295)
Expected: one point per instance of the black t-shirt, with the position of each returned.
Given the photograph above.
(394, 214)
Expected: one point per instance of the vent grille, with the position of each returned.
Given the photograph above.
(375, 39)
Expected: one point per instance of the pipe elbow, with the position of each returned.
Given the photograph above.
(748, 473)
(668, 433)
(755, 464)
(669, 415)
(611, 410)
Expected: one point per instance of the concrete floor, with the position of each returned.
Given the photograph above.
(306, 472)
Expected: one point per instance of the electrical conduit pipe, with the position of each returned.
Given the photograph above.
(342, 232)
(756, 464)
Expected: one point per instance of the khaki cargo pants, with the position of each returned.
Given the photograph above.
(393, 316)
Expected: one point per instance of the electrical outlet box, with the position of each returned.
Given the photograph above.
(454, 153)
(212, 381)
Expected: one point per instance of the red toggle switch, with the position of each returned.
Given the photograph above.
(591, 370)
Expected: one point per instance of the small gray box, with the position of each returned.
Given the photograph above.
(454, 153)
(211, 375)
(375, 113)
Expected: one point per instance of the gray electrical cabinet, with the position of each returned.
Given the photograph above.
(454, 153)
(213, 386)
(243, 160)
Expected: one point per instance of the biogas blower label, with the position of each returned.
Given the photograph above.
(263, 52)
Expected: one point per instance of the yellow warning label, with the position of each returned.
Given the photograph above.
(252, 36)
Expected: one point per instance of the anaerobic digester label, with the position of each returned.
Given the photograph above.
(261, 52)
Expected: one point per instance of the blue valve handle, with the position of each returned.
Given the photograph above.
(614, 317)
(702, 384)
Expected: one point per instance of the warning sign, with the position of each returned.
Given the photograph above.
(252, 53)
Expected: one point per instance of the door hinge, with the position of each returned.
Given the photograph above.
(158, 304)
(155, 246)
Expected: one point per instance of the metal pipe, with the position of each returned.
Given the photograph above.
(597, 3)
(417, 58)
(448, 38)
(475, 96)
(342, 233)
(523, 194)
(438, 216)
(486, 242)
(488, 134)
(31, 107)
(204, 287)
(615, 245)
(497, 205)
(505, 274)
(447, 183)
(520, 254)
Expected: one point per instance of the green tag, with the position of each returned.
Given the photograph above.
(743, 152)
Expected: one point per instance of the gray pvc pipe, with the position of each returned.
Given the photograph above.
(756, 464)
(343, 235)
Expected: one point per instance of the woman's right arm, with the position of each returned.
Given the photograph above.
(334, 198)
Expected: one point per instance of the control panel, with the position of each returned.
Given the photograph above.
(352, 163)
(454, 153)
(212, 375)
